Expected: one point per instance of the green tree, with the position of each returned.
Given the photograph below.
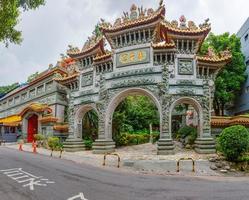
(90, 125)
(230, 79)
(10, 16)
(8, 88)
(32, 77)
(135, 113)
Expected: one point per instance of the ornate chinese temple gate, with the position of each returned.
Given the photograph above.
(150, 56)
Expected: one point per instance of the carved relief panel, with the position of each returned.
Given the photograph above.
(86, 79)
(185, 66)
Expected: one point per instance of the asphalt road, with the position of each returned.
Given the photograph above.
(55, 179)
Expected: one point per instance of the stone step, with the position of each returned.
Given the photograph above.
(101, 146)
(74, 145)
(74, 149)
(69, 143)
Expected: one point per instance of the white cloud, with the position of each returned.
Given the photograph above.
(48, 30)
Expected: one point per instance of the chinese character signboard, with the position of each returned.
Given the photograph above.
(133, 57)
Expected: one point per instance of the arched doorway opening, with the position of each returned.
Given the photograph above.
(185, 121)
(131, 112)
(32, 128)
(86, 124)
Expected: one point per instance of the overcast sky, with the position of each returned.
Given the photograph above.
(48, 30)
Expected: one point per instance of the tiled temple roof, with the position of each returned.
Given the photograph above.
(48, 119)
(105, 56)
(213, 58)
(186, 28)
(217, 121)
(35, 107)
(92, 44)
(61, 127)
(66, 79)
(137, 16)
(163, 45)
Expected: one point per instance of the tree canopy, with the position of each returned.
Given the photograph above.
(7, 88)
(32, 77)
(135, 113)
(10, 16)
(230, 79)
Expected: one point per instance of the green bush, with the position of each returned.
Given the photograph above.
(188, 131)
(54, 143)
(88, 144)
(132, 139)
(233, 142)
(156, 137)
(121, 140)
(39, 137)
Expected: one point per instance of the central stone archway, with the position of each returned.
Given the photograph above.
(119, 97)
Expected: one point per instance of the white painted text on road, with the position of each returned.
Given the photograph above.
(25, 178)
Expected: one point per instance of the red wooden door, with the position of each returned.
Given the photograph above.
(32, 127)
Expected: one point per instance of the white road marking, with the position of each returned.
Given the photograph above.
(80, 196)
(20, 176)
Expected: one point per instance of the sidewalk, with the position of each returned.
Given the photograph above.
(137, 159)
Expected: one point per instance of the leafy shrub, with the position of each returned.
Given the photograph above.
(156, 137)
(244, 158)
(188, 132)
(39, 137)
(131, 139)
(88, 144)
(54, 143)
(233, 142)
(121, 140)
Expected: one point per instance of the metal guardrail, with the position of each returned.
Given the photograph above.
(112, 154)
(2, 142)
(178, 164)
(61, 150)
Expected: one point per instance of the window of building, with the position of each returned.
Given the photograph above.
(247, 63)
(32, 93)
(49, 86)
(17, 99)
(40, 89)
(11, 102)
(246, 37)
(247, 89)
(24, 96)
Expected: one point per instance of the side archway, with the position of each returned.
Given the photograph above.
(79, 115)
(197, 107)
(119, 97)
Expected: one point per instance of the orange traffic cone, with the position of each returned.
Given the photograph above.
(20, 147)
(34, 147)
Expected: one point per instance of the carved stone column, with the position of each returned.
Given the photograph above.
(165, 145)
(205, 143)
(72, 143)
(103, 144)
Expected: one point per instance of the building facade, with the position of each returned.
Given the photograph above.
(242, 103)
(36, 107)
(150, 56)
